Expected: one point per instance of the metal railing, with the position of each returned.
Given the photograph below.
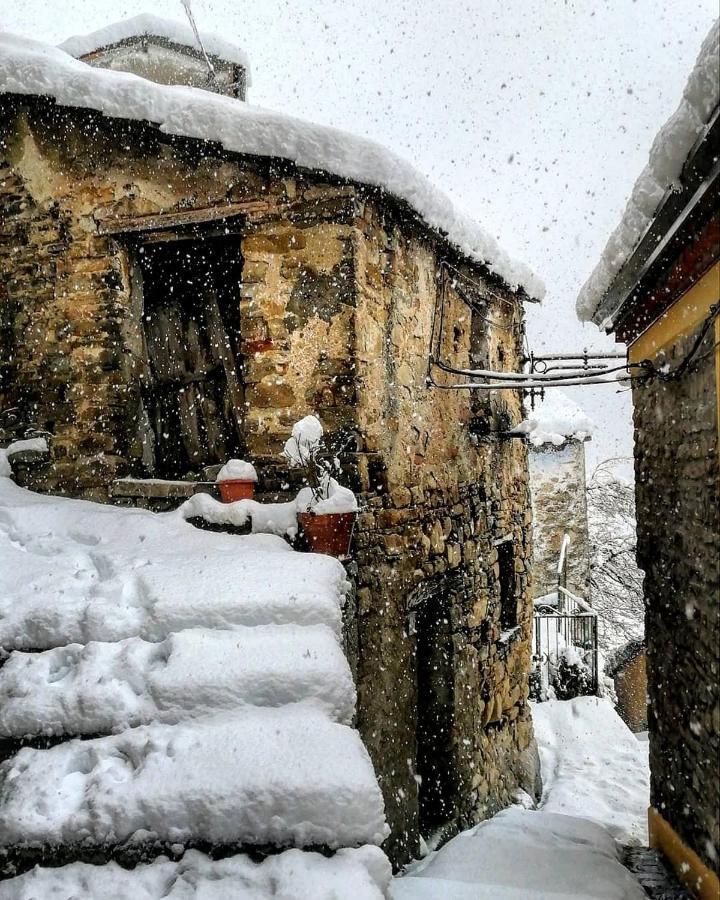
(563, 644)
(565, 638)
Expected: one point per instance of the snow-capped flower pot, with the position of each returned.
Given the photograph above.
(328, 533)
(326, 511)
(236, 481)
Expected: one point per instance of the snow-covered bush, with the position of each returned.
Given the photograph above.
(307, 449)
(570, 675)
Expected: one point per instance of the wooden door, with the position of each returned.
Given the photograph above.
(193, 392)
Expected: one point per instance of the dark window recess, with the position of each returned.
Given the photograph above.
(508, 597)
(192, 391)
(435, 704)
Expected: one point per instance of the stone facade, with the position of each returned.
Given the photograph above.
(628, 670)
(333, 315)
(678, 515)
(559, 501)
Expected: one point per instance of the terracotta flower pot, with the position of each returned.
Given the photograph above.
(328, 532)
(233, 489)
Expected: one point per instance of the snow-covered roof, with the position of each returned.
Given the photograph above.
(146, 25)
(32, 68)
(668, 154)
(556, 420)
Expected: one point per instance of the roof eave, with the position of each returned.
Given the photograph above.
(677, 211)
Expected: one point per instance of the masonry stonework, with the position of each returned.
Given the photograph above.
(559, 500)
(677, 480)
(334, 316)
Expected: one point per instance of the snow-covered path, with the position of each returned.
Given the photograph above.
(194, 692)
(595, 789)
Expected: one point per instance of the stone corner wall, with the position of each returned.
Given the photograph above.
(559, 501)
(442, 679)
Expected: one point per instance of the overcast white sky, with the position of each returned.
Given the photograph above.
(536, 117)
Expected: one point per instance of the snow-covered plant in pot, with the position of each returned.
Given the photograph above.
(236, 480)
(326, 510)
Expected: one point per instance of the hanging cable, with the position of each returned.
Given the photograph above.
(187, 5)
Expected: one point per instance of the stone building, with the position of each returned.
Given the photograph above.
(183, 277)
(657, 289)
(559, 495)
(628, 670)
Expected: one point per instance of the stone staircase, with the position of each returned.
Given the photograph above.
(175, 709)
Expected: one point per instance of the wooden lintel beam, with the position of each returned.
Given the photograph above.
(158, 221)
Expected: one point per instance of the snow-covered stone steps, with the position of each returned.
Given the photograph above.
(74, 571)
(285, 777)
(104, 688)
(212, 666)
(362, 874)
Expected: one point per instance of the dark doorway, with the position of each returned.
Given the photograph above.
(435, 705)
(192, 390)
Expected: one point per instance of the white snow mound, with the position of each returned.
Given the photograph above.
(555, 420)
(593, 766)
(147, 25)
(285, 777)
(521, 854)
(361, 874)
(72, 571)
(102, 688)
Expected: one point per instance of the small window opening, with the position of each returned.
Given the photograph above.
(508, 596)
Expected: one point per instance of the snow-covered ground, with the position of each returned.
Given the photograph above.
(523, 854)
(593, 766)
(595, 795)
(212, 668)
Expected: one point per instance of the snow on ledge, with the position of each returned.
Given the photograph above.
(362, 873)
(28, 67)
(286, 777)
(554, 421)
(667, 157)
(146, 25)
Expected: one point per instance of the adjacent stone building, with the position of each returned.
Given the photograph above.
(183, 278)
(561, 543)
(628, 670)
(658, 289)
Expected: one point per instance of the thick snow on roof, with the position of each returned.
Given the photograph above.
(555, 420)
(668, 153)
(146, 25)
(33, 68)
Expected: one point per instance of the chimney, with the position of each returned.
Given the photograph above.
(165, 52)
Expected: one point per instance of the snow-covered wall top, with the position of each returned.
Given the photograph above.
(668, 153)
(33, 68)
(556, 420)
(147, 25)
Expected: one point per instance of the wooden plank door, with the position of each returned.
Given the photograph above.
(193, 393)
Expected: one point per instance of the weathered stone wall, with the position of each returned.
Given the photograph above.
(559, 502)
(631, 692)
(678, 515)
(71, 317)
(335, 312)
(437, 499)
